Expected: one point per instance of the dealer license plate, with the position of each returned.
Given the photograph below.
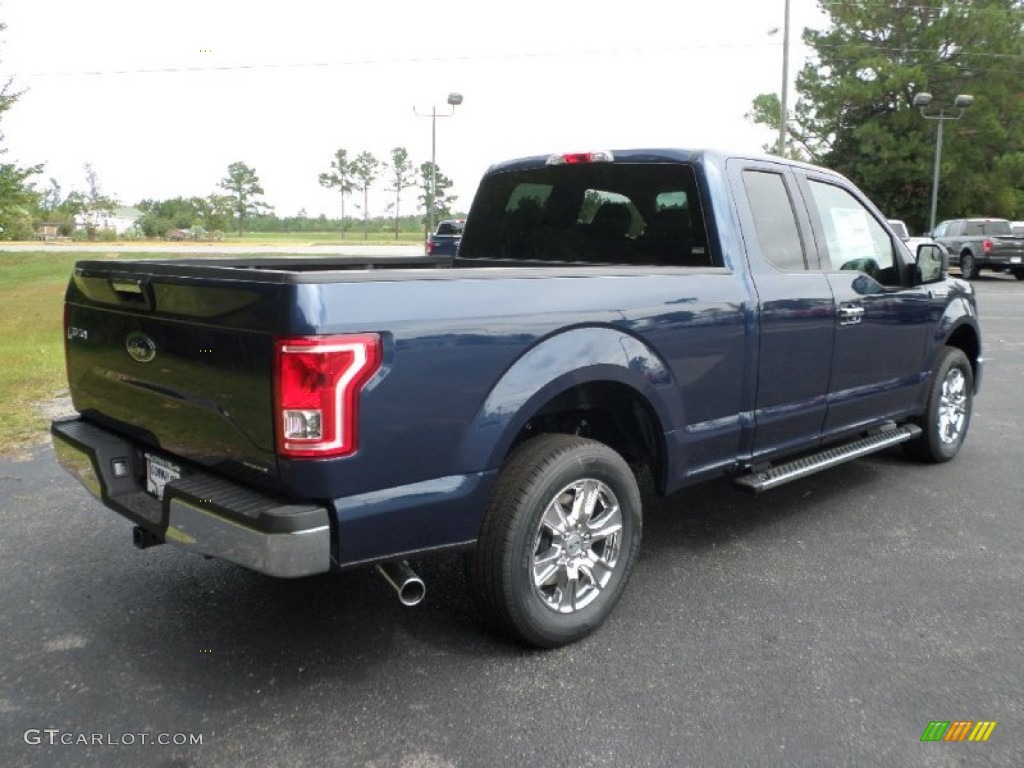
(159, 472)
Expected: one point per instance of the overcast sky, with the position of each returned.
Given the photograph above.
(160, 98)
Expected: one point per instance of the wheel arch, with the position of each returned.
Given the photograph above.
(597, 382)
(966, 338)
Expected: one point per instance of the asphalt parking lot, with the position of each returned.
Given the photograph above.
(824, 623)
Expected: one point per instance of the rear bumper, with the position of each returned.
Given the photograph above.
(1012, 259)
(200, 511)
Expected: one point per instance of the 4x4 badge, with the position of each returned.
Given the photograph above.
(141, 348)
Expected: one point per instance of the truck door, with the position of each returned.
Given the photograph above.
(880, 320)
(795, 309)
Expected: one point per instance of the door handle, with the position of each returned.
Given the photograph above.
(850, 314)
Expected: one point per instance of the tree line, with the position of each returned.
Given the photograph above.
(358, 175)
(243, 191)
(237, 204)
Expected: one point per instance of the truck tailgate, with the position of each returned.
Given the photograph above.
(177, 364)
(1009, 247)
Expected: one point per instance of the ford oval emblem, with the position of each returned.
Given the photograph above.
(141, 348)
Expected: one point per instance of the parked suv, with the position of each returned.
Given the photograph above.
(976, 244)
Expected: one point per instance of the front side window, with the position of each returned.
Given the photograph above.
(854, 240)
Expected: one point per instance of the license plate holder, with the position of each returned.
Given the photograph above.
(1015, 259)
(159, 472)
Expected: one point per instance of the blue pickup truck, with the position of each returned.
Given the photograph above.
(444, 241)
(666, 314)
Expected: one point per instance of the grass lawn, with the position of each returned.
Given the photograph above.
(31, 344)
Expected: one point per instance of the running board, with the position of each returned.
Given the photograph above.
(808, 465)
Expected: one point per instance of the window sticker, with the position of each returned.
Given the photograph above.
(851, 234)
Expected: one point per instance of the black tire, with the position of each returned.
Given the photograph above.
(541, 476)
(948, 413)
(968, 266)
(1019, 274)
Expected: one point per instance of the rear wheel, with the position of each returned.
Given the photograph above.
(1019, 274)
(968, 266)
(948, 415)
(558, 542)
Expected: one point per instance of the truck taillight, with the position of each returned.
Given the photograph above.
(317, 383)
(986, 245)
(428, 246)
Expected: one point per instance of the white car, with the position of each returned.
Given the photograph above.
(904, 234)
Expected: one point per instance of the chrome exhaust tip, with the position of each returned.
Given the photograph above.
(407, 585)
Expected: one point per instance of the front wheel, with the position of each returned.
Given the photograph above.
(968, 266)
(948, 413)
(558, 542)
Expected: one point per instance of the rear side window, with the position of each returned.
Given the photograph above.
(998, 228)
(600, 213)
(774, 220)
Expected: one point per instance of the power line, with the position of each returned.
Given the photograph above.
(386, 61)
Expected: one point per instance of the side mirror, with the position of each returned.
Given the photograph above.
(932, 263)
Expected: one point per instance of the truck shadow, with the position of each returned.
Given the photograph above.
(221, 632)
(715, 513)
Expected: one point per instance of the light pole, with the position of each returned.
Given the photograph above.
(960, 103)
(454, 99)
(783, 107)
